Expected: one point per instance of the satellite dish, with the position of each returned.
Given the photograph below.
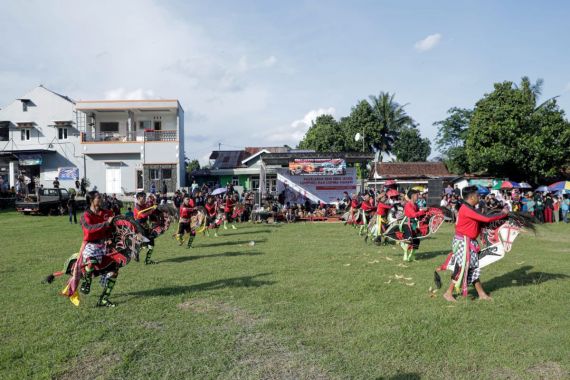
(357, 137)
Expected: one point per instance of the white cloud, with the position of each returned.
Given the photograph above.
(138, 94)
(428, 43)
(311, 116)
(567, 87)
(298, 128)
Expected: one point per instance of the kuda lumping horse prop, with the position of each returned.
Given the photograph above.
(497, 240)
(400, 230)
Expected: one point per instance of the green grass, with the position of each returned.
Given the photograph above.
(289, 307)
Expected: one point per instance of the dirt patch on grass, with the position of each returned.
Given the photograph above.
(90, 366)
(548, 370)
(239, 316)
(266, 358)
(262, 355)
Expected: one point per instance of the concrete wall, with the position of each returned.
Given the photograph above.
(181, 150)
(97, 170)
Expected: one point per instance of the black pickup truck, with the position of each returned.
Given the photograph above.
(46, 201)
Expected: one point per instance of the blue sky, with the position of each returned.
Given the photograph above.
(252, 73)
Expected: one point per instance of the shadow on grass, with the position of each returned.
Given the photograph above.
(235, 282)
(405, 376)
(431, 255)
(224, 243)
(520, 277)
(247, 233)
(191, 257)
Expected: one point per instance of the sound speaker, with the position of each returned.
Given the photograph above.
(435, 190)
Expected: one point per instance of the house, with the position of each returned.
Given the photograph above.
(129, 144)
(39, 140)
(408, 173)
(120, 146)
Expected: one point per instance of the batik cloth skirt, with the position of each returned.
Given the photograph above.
(465, 250)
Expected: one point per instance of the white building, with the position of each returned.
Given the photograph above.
(120, 146)
(38, 137)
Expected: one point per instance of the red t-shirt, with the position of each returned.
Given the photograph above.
(95, 225)
(186, 211)
(367, 206)
(211, 209)
(469, 221)
(411, 210)
(382, 208)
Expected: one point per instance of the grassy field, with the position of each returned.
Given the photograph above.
(306, 301)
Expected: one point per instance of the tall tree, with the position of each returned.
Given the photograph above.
(192, 165)
(511, 136)
(324, 135)
(450, 139)
(391, 119)
(411, 147)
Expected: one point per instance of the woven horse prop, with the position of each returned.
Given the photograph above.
(399, 230)
(497, 239)
(127, 239)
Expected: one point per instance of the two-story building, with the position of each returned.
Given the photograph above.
(39, 140)
(129, 144)
(120, 146)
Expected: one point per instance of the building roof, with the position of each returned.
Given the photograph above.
(395, 170)
(228, 159)
(127, 104)
(285, 158)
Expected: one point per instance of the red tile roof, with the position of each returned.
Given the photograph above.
(396, 170)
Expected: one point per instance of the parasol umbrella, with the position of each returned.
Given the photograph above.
(562, 192)
(507, 185)
(560, 185)
(482, 190)
(220, 190)
(525, 185)
(542, 189)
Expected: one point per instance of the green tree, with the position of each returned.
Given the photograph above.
(391, 118)
(450, 139)
(411, 147)
(192, 165)
(361, 120)
(509, 135)
(324, 135)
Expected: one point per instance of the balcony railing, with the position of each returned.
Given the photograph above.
(138, 136)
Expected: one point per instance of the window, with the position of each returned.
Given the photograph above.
(109, 127)
(4, 131)
(144, 124)
(255, 183)
(157, 125)
(235, 181)
(166, 173)
(25, 134)
(62, 133)
(24, 106)
(154, 174)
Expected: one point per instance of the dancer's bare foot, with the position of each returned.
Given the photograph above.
(485, 297)
(449, 297)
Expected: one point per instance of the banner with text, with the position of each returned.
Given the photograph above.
(318, 166)
(321, 188)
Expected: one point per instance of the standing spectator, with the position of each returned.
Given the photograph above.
(129, 213)
(72, 208)
(83, 186)
(194, 186)
(164, 188)
(530, 205)
(56, 183)
(153, 187)
(448, 190)
(539, 208)
(556, 209)
(565, 206)
(77, 185)
(548, 208)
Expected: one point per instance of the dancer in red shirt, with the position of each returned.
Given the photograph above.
(411, 212)
(211, 214)
(187, 208)
(465, 259)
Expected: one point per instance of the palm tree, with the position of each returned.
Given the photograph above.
(391, 117)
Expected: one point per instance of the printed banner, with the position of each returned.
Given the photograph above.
(318, 167)
(322, 188)
(68, 173)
